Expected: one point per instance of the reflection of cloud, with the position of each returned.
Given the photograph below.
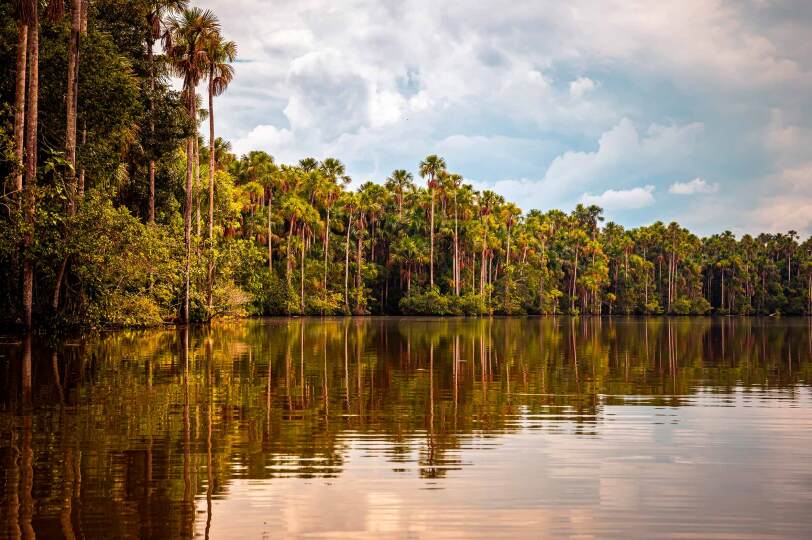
(733, 458)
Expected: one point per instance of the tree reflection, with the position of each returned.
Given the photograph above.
(121, 425)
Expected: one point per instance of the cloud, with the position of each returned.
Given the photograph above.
(581, 86)
(623, 199)
(623, 155)
(610, 96)
(695, 186)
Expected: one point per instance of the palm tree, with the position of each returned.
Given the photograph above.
(431, 168)
(350, 204)
(454, 182)
(332, 169)
(221, 73)
(399, 182)
(260, 168)
(308, 164)
(188, 36)
(159, 9)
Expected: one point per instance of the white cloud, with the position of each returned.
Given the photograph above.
(695, 186)
(581, 86)
(611, 95)
(621, 199)
(623, 154)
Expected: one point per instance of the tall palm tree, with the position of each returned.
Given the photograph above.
(332, 170)
(187, 38)
(431, 168)
(350, 204)
(159, 10)
(399, 182)
(453, 183)
(220, 74)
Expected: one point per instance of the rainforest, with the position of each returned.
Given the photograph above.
(121, 206)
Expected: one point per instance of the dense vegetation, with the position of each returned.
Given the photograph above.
(115, 211)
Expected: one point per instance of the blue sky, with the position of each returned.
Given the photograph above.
(692, 110)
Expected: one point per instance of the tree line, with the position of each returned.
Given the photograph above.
(120, 208)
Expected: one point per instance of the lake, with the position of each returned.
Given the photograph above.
(411, 428)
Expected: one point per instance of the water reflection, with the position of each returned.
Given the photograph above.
(376, 427)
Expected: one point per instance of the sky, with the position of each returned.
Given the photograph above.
(698, 111)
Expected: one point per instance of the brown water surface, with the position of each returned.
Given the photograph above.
(411, 428)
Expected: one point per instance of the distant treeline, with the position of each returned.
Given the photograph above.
(115, 211)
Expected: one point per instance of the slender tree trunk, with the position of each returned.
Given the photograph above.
(198, 219)
(482, 274)
(722, 303)
(211, 194)
(574, 281)
(302, 274)
(151, 62)
(32, 117)
(359, 258)
(187, 211)
(270, 241)
(19, 108)
(431, 229)
(81, 169)
(456, 248)
(289, 257)
(326, 247)
(347, 264)
(71, 101)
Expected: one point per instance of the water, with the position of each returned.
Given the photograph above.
(410, 428)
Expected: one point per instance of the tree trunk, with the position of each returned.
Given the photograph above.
(32, 117)
(71, 101)
(574, 281)
(347, 264)
(359, 258)
(431, 230)
(82, 170)
(456, 248)
(198, 220)
(151, 62)
(326, 247)
(211, 194)
(302, 274)
(19, 108)
(270, 242)
(288, 258)
(187, 211)
(482, 273)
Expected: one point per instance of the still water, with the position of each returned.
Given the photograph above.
(411, 428)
